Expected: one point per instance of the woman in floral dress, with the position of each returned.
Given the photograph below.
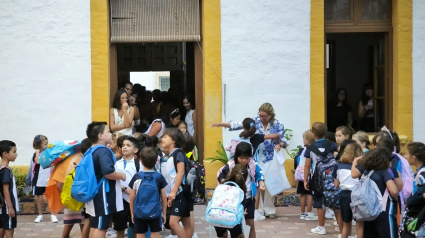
(265, 124)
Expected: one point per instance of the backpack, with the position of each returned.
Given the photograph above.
(225, 208)
(234, 142)
(66, 198)
(299, 171)
(198, 186)
(189, 173)
(407, 178)
(330, 192)
(85, 185)
(325, 165)
(365, 197)
(147, 204)
(30, 174)
(2, 203)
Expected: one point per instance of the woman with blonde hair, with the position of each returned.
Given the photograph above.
(266, 124)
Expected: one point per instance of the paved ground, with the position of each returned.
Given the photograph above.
(287, 224)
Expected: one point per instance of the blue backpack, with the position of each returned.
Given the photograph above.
(147, 203)
(85, 185)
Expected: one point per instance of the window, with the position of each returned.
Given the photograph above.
(164, 83)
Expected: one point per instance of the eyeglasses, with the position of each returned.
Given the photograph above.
(262, 116)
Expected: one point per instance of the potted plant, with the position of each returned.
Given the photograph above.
(221, 155)
(19, 180)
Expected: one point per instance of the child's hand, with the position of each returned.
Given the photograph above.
(262, 185)
(127, 191)
(306, 186)
(11, 213)
(293, 171)
(171, 198)
(164, 218)
(37, 152)
(245, 212)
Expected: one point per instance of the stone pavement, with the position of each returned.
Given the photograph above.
(287, 224)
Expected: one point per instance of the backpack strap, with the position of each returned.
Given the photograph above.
(175, 158)
(7, 167)
(315, 150)
(137, 163)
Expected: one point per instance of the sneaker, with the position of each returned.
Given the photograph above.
(111, 233)
(54, 219)
(319, 230)
(329, 214)
(337, 228)
(38, 219)
(195, 235)
(259, 217)
(335, 223)
(125, 232)
(311, 217)
(302, 216)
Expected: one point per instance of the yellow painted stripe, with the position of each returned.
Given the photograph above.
(99, 25)
(402, 68)
(317, 61)
(211, 44)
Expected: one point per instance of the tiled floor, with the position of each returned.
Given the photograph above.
(287, 224)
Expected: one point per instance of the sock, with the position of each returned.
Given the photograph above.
(321, 227)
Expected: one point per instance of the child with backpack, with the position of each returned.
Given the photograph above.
(319, 157)
(95, 180)
(381, 221)
(148, 187)
(10, 204)
(130, 166)
(239, 175)
(173, 169)
(306, 196)
(344, 181)
(40, 176)
(243, 155)
(415, 155)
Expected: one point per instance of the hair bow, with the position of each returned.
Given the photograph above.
(251, 124)
(38, 139)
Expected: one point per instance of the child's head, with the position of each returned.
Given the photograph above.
(351, 151)
(385, 133)
(182, 127)
(243, 153)
(118, 143)
(386, 143)
(308, 137)
(343, 133)
(8, 150)
(154, 142)
(249, 128)
(149, 157)
(130, 147)
(239, 174)
(376, 159)
(189, 143)
(85, 145)
(330, 136)
(342, 148)
(362, 138)
(172, 138)
(143, 139)
(415, 153)
(319, 130)
(98, 133)
(171, 117)
(40, 142)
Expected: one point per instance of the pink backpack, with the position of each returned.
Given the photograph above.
(234, 142)
(407, 178)
(299, 172)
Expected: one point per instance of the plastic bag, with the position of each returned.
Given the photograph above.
(275, 175)
(58, 151)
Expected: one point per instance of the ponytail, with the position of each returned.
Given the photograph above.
(248, 125)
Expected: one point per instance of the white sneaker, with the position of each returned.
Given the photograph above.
(302, 216)
(335, 223)
(38, 219)
(54, 219)
(318, 230)
(337, 228)
(111, 233)
(171, 236)
(259, 217)
(353, 223)
(329, 214)
(125, 232)
(195, 235)
(311, 217)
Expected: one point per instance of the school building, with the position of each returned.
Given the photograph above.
(61, 62)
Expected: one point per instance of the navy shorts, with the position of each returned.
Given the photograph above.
(181, 207)
(122, 217)
(234, 232)
(100, 222)
(6, 222)
(141, 226)
(344, 201)
(250, 208)
(318, 201)
(38, 191)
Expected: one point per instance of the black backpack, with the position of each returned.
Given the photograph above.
(198, 188)
(325, 165)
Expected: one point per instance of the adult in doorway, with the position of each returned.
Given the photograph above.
(366, 109)
(147, 112)
(339, 112)
(121, 114)
(189, 105)
(128, 87)
(156, 94)
(266, 124)
(170, 118)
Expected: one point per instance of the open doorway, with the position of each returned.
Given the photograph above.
(358, 80)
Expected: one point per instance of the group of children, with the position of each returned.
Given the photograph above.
(386, 167)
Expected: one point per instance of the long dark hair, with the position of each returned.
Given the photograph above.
(171, 113)
(117, 99)
(239, 174)
(365, 98)
(249, 125)
(376, 159)
(336, 99)
(243, 149)
(191, 99)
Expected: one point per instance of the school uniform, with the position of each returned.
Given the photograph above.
(123, 217)
(300, 188)
(7, 222)
(346, 184)
(320, 144)
(40, 178)
(385, 225)
(155, 225)
(108, 200)
(256, 140)
(182, 205)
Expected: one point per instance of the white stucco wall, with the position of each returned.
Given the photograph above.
(418, 70)
(45, 69)
(266, 58)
